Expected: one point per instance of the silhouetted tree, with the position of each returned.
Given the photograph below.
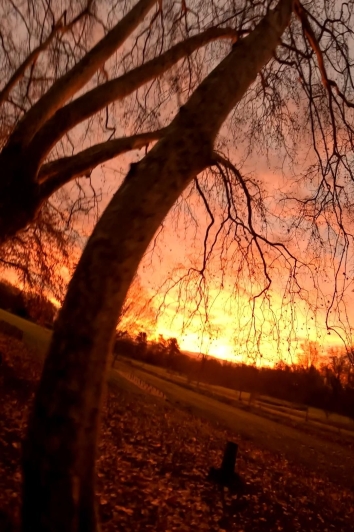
(257, 80)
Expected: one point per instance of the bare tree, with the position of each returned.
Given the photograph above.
(57, 59)
(43, 256)
(50, 105)
(288, 74)
(310, 354)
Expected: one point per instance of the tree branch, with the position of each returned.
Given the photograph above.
(117, 89)
(69, 84)
(55, 174)
(58, 28)
(309, 33)
(221, 160)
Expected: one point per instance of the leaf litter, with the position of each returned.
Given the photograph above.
(153, 465)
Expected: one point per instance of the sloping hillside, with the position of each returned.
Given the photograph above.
(153, 467)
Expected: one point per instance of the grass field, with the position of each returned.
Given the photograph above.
(334, 459)
(282, 410)
(38, 338)
(34, 336)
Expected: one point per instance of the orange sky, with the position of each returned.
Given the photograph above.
(228, 331)
(222, 325)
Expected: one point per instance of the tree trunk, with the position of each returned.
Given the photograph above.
(19, 194)
(60, 449)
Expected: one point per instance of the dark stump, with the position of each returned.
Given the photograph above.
(226, 475)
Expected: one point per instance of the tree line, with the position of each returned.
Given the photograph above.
(329, 385)
(29, 305)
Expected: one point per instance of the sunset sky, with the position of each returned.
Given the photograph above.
(278, 328)
(219, 320)
(220, 313)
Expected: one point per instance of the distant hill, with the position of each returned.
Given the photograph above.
(194, 354)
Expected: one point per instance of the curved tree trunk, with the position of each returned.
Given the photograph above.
(59, 453)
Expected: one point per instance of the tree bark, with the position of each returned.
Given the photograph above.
(84, 161)
(60, 449)
(19, 197)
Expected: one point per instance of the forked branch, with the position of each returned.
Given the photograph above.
(311, 37)
(117, 89)
(57, 173)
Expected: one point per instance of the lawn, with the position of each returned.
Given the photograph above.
(285, 411)
(334, 459)
(36, 337)
(153, 464)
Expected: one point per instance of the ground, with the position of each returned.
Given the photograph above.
(315, 446)
(153, 466)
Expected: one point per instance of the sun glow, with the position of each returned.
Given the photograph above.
(192, 342)
(237, 331)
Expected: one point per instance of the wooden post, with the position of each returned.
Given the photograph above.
(226, 474)
(229, 459)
